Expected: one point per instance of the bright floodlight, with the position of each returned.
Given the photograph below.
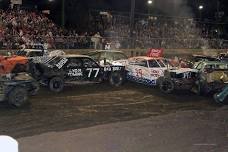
(150, 2)
(50, 0)
(201, 7)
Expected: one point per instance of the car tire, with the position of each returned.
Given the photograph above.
(116, 79)
(166, 85)
(18, 96)
(56, 84)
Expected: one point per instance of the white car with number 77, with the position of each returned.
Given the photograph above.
(146, 70)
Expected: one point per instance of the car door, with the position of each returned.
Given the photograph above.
(138, 69)
(73, 69)
(156, 68)
(91, 70)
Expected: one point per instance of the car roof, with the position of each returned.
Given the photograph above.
(74, 56)
(33, 50)
(99, 51)
(146, 58)
(213, 62)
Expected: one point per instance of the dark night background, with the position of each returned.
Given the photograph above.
(76, 11)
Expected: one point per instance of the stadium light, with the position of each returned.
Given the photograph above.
(149, 2)
(51, 0)
(200, 7)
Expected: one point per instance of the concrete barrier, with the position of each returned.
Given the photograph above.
(139, 52)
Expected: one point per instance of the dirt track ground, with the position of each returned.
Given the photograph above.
(90, 105)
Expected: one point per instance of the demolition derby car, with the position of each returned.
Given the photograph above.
(207, 77)
(75, 69)
(177, 79)
(196, 59)
(108, 57)
(15, 85)
(15, 88)
(38, 54)
(31, 52)
(12, 64)
(212, 76)
(146, 70)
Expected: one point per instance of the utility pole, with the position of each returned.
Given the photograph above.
(132, 22)
(63, 14)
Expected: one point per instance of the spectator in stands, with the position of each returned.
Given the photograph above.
(96, 39)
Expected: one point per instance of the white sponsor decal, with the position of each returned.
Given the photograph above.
(75, 73)
(61, 63)
(107, 69)
(112, 68)
(116, 68)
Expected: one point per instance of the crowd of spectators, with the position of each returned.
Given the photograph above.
(18, 27)
(21, 27)
(161, 32)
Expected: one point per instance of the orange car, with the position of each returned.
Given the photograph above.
(12, 64)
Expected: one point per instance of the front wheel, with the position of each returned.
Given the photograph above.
(116, 79)
(18, 96)
(56, 84)
(166, 85)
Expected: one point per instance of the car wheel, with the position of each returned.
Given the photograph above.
(18, 96)
(116, 79)
(166, 85)
(56, 84)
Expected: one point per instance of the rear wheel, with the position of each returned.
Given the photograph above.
(56, 84)
(116, 79)
(18, 96)
(166, 85)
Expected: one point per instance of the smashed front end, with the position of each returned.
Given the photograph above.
(183, 78)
